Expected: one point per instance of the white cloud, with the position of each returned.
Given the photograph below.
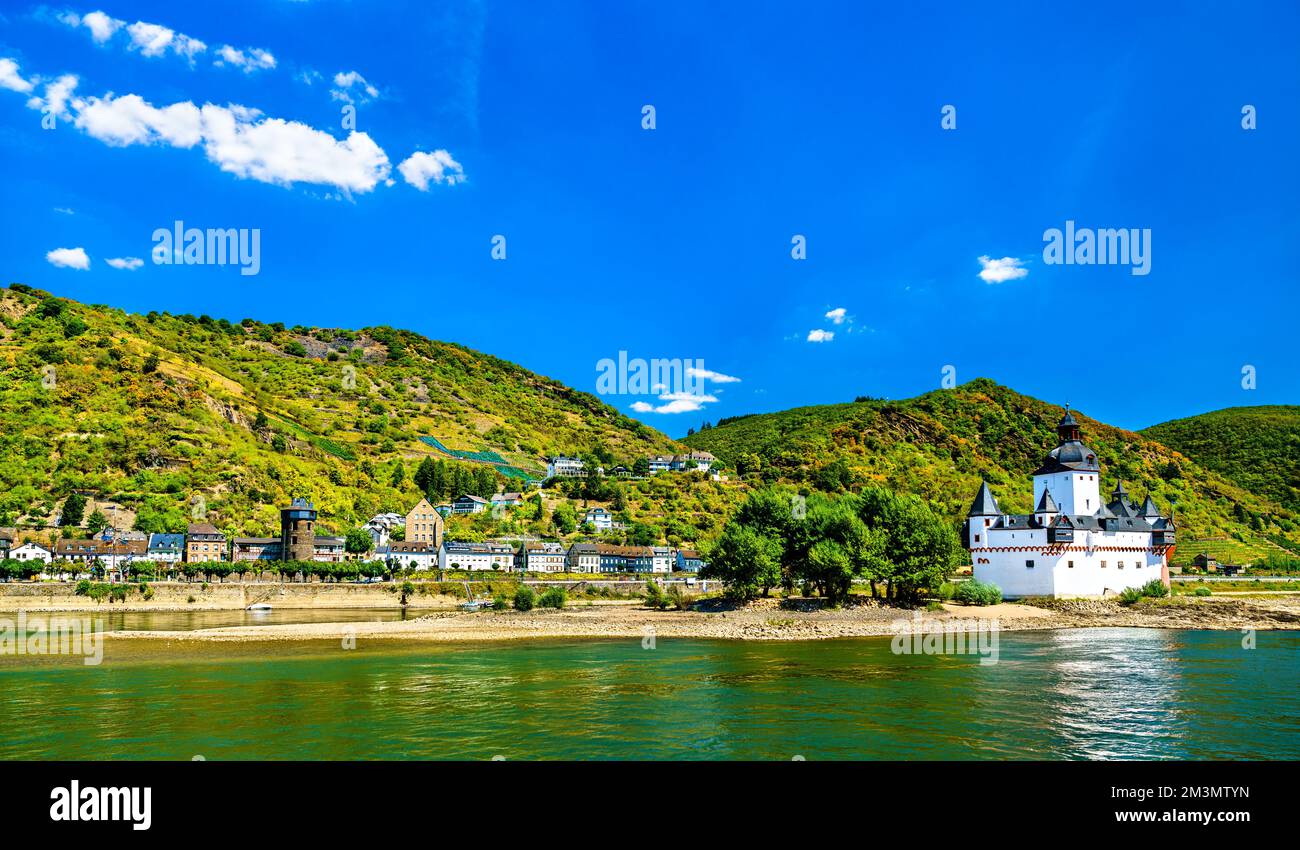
(69, 258)
(242, 141)
(999, 271)
(675, 403)
(344, 82)
(837, 315)
(57, 93)
(248, 60)
(65, 210)
(101, 26)
(709, 375)
(150, 39)
(420, 168)
(11, 79)
(128, 263)
(820, 335)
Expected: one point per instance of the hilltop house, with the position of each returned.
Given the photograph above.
(7, 537)
(508, 500)
(203, 542)
(424, 524)
(166, 548)
(380, 526)
(468, 504)
(1073, 544)
(329, 550)
(542, 557)
(565, 467)
(693, 462)
(599, 518)
(660, 463)
(475, 556)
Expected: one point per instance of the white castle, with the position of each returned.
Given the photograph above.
(1073, 544)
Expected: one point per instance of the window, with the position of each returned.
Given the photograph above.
(977, 538)
(1029, 565)
(1120, 566)
(1071, 564)
(1103, 565)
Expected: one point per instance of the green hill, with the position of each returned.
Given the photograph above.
(939, 445)
(154, 413)
(1257, 448)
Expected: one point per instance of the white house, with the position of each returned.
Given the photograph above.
(660, 463)
(166, 548)
(469, 504)
(1073, 544)
(600, 518)
(565, 467)
(32, 552)
(475, 556)
(584, 558)
(546, 557)
(693, 461)
(409, 555)
(661, 559)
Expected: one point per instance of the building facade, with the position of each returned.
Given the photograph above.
(543, 557)
(166, 548)
(298, 531)
(204, 543)
(476, 556)
(424, 524)
(1073, 544)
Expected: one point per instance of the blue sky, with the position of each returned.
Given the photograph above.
(771, 120)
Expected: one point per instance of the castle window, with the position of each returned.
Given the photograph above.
(1103, 565)
(1071, 564)
(977, 538)
(1121, 565)
(1029, 564)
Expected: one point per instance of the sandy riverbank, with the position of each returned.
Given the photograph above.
(765, 620)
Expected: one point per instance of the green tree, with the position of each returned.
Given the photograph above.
(96, 522)
(74, 509)
(747, 561)
(358, 541)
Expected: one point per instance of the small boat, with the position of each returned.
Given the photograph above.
(259, 606)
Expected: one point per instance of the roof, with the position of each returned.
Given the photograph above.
(203, 528)
(479, 548)
(1046, 504)
(546, 547)
(256, 541)
(1070, 456)
(69, 546)
(984, 504)
(689, 554)
(1149, 507)
(166, 541)
(471, 498)
(411, 547)
(625, 551)
(1067, 420)
(8, 533)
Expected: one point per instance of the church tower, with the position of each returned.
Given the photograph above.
(298, 531)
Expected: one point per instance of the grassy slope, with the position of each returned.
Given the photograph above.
(940, 444)
(164, 438)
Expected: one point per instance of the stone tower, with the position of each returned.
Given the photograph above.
(297, 531)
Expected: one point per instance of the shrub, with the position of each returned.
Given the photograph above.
(946, 591)
(1202, 591)
(977, 593)
(83, 587)
(934, 605)
(1155, 589)
(654, 595)
(680, 599)
(552, 598)
(500, 603)
(525, 598)
(1129, 595)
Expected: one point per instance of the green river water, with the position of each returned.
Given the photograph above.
(1072, 694)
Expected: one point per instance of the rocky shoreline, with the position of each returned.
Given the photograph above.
(768, 620)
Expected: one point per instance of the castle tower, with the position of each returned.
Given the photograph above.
(1070, 472)
(297, 531)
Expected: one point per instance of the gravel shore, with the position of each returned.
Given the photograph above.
(769, 620)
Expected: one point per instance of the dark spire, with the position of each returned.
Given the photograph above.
(984, 504)
(1068, 428)
(1119, 490)
(1046, 505)
(1149, 507)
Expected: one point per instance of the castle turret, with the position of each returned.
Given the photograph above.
(1070, 471)
(1046, 510)
(298, 531)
